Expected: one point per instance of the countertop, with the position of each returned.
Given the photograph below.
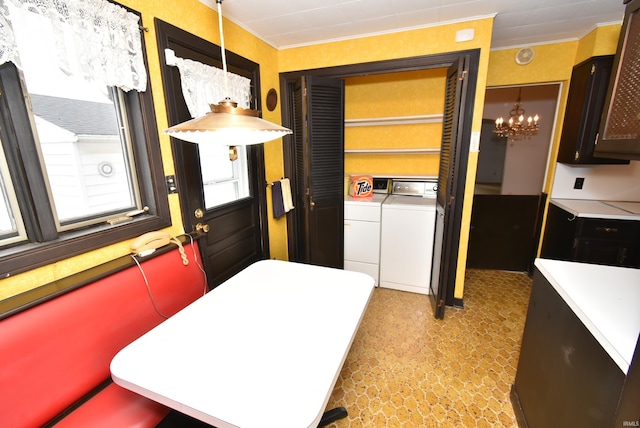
(605, 298)
(596, 209)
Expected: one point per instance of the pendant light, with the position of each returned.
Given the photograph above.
(227, 124)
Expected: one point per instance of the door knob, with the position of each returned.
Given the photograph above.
(200, 228)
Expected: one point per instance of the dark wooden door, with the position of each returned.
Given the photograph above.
(238, 234)
(318, 135)
(448, 207)
(505, 230)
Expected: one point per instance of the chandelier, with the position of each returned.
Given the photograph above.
(516, 126)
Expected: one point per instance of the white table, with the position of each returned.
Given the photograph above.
(263, 349)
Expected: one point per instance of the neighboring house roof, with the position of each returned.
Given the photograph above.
(79, 117)
(50, 133)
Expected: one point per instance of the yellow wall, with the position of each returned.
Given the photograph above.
(552, 63)
(200, 20)
(419, 42)
(411, 93)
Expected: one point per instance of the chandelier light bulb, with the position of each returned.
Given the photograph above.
(516, 127)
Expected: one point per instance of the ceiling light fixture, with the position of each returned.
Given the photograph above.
(227, 124)
(516, 126)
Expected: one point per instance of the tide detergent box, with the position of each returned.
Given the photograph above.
(360, 186)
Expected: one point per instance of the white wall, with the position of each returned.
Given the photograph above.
(526, 159)
(601, 182)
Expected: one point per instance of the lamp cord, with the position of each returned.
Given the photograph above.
(224, 54)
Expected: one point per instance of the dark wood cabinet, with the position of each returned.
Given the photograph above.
(591, 240)
(564, 376)
(587, 92)
(620, 124)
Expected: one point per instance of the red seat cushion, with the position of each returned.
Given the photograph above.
(53, 354)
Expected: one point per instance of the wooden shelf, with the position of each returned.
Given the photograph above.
(394, 120)
(394, 151)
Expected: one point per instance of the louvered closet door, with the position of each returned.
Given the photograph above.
(319, 158)
(445, 254)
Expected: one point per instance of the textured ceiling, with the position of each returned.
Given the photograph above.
(288, 23)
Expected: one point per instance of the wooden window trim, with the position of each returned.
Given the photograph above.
(47, 246)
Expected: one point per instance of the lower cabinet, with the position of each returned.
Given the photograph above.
(564, 376)
(591, 240)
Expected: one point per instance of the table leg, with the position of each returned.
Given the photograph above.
(332, 416)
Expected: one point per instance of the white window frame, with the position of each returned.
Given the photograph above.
(125, 140)
(9, 194)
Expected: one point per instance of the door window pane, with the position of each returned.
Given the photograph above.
(223, 180)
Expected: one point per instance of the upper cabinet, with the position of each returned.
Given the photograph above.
(587, 92)
(620, 125)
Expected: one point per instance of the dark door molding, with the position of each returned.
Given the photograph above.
(443, 60)
(239, 232)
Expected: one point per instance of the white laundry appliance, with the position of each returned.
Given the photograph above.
(407, 234)
(362, 234)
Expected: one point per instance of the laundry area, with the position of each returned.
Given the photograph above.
(389, 232)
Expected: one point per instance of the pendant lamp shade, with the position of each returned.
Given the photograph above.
(227, 124)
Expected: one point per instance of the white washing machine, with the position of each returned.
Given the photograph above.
(362, 234)
(407, 233)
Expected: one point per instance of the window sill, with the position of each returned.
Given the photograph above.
(30, 298)
(22, 258)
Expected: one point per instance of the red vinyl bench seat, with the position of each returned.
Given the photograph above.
(54, 354)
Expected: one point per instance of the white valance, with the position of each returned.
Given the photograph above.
(103, 38)
(203, 85)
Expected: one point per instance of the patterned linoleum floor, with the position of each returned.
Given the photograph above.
(406, 369)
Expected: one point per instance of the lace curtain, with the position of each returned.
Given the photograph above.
(103, 38)
(203, 85)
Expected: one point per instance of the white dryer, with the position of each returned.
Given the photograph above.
(407, 232)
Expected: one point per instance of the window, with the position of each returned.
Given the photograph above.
(223, 180)
(78, 154)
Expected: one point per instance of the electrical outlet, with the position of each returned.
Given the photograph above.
(579, 183)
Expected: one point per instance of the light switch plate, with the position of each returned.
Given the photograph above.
(474, 144)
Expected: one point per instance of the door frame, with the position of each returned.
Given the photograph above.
(188, 178)
(443, 60)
